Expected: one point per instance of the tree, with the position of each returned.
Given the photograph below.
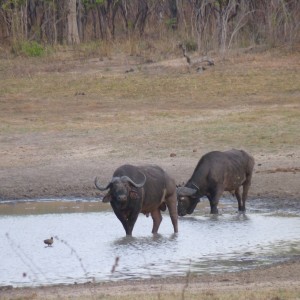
(135, 13)
(202, 12)
(73, 35)
(214, 24)
(225, 10)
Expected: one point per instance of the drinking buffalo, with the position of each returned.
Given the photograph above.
(144, 189)
(215, 173)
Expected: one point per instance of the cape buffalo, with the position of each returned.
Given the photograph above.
(215, 173)
(143, 189)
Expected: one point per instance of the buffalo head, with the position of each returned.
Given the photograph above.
(187, 200)
(120, 188)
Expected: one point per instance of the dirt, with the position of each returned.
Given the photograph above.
(277, 278)
(33, 166)
(54, 162)
(38, 165)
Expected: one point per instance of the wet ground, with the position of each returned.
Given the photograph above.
(90, 243)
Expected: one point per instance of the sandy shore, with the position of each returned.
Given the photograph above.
(284, 276)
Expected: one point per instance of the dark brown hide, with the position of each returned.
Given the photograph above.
(215, 173)
(157, 193)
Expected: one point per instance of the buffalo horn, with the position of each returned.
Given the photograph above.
(137, 185)
(185, 191)
(101, 188)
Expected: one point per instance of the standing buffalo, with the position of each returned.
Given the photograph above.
(144, 189)
(215, 173)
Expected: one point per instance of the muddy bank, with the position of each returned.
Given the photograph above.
(275, 278)
(275, 177)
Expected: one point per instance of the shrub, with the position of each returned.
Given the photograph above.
(32, 49)
(191, 46)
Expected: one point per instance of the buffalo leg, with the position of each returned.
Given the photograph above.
(127, 221)
(130, 222)
(171, 202)
(214, 198)
(120, 216)
(131, 219)
(156, 216)
(241, 203)
(246, 186)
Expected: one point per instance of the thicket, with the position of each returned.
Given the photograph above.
(203, 24)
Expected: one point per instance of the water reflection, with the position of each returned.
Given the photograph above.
(49, 206)
(141, 242)
(91, 245)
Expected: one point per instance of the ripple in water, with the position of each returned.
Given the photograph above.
(87, 244)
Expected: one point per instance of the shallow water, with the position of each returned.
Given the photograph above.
(90, 243)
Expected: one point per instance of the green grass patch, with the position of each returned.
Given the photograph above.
(29, 49)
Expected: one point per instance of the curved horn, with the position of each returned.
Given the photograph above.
(185, 191)
(137, 185)
(101, 188)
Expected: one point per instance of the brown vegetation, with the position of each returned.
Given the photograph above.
(65, 121)
(206, 25)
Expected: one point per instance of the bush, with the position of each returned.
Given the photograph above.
(191, 46)
(32, 49)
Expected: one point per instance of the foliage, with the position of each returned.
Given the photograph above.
(31, 49)
(171, 23)
(215, 25)
(191, 46)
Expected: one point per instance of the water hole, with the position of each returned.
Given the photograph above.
(90, 242)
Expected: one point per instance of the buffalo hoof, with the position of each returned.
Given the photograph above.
(214, 211)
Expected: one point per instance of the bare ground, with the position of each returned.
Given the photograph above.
(264, 283)
(63, 163)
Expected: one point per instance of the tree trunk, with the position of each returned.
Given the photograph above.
(174, 13)
(226, 11)
(80, 19)
(141, 16)
(73, 36)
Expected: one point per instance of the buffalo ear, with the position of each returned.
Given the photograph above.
(106, 198)
(185, 191)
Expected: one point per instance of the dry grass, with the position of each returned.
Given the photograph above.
(60, 115)
(274, 294)
(154, 292)
(249, 101)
